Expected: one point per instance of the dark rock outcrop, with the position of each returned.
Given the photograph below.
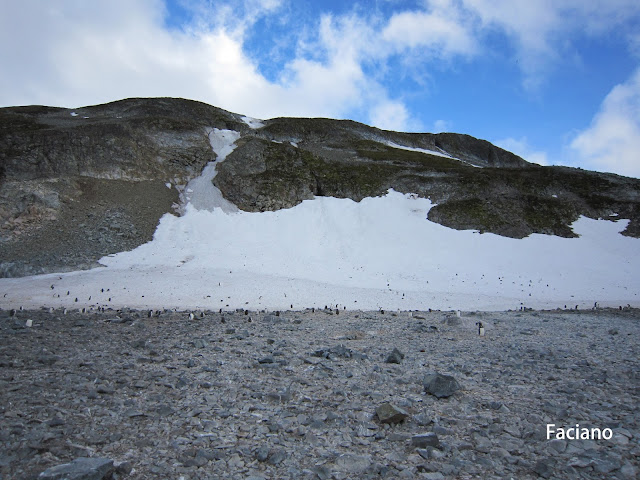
(474, 184)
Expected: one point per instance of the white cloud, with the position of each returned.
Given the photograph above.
(612, 141)
(522, 148)
(80, 54)
(233, 16)
(71, 53)
(440, 30)
(440, 126)
(390, 115)
(75, 54)
(543, 29)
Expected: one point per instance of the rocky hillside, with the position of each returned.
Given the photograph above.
(78, 184)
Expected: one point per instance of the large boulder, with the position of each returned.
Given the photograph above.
(440, 385)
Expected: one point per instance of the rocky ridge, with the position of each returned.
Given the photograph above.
(79, 184)
(318, 394)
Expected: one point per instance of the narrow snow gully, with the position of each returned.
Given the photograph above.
(201, 193)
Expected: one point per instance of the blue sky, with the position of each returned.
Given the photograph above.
(556, 81)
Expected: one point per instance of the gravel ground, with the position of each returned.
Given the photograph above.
(294, 395)
(95, 218)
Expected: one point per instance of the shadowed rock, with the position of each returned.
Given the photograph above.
(389, 413)
(441, 386)
(395, 356)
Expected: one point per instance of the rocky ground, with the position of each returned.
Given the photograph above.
(93, 218)
(295, 395)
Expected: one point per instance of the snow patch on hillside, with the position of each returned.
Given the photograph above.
(378, 253)
(254, 123)
(200, 193)
(437, 153)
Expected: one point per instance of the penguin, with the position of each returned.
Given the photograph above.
(191, 316)
(12, 312)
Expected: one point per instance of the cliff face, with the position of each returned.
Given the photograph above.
(79, 184)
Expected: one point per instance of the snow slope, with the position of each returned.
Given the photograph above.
(200, 192)
(378, 253)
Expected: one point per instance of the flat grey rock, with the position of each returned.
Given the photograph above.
(80, 469)
(425, 440)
